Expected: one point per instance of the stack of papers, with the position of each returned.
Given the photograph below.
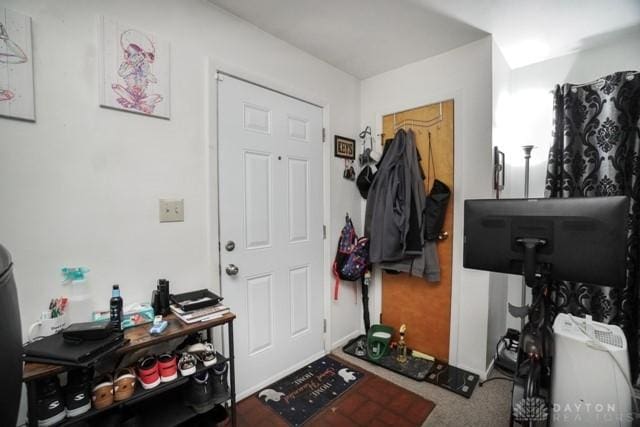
(200, 315)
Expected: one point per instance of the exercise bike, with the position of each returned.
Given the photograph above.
(533, 372)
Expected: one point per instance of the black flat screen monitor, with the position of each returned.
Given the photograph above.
(585, 239)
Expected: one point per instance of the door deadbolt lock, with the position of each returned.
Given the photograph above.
(230, 245)
(232, 270)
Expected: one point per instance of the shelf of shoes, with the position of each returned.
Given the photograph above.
(141, 394)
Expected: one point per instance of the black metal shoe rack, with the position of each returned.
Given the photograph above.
(168, 411)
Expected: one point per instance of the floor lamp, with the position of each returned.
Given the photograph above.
(527, 156)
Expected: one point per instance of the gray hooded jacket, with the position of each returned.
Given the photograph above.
(396, 185)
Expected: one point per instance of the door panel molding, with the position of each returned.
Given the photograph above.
(298, 209)
(258, 206)
(260, 315)
(299, 300)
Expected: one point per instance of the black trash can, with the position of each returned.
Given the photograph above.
(11, 342)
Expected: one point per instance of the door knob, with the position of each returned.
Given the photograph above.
(231, 270)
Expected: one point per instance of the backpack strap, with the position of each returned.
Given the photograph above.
(336, 285)
(430, 164)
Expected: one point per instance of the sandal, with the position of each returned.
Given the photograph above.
(124, 384)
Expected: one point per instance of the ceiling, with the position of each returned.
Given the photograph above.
(530, 31)
(368, 37)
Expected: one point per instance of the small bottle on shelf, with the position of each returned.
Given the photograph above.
(402, 346)
(115, 308)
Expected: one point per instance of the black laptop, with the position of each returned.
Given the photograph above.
(55, 350)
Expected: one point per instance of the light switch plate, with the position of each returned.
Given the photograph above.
(171, 210)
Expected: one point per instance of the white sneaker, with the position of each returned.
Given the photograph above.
(196, 348)
(204, 352)
(208, 356)
(187, 364)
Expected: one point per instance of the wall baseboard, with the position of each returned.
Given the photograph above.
(488, 370)
(342, 341)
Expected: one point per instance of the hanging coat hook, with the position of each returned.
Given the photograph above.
(365, 132)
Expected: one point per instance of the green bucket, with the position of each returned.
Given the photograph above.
(378, 340)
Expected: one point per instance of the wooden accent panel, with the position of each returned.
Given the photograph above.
(425, 307)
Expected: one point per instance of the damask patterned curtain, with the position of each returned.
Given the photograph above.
(596, 152)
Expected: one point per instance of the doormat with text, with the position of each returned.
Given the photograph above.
(300, 395)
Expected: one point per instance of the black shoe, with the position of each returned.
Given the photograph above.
(199, 395)
(77, 393)
(219, 382)
(49, 403)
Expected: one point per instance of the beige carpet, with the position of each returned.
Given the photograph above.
(488, 406)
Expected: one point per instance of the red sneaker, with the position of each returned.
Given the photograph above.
(148, 372)
(168, 367)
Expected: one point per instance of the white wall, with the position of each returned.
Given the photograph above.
(463, 74)
(81, 185)
(530, 108)
(498, 286)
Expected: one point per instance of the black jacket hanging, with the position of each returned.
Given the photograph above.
(436, 203)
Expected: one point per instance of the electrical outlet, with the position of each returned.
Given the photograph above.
(171, 210)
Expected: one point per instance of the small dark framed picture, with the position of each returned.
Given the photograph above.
(345, 148)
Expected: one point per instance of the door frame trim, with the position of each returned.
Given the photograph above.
(213, 66)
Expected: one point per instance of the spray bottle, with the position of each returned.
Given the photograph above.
(80, 307)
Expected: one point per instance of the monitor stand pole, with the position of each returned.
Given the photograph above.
(531, 246)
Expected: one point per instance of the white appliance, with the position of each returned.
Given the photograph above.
(588, 387)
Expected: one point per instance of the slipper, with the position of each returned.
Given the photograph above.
(124, 384)
(102, 392)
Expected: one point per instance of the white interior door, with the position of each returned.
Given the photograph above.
(270, 198)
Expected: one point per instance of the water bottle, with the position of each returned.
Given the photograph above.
(115, 308)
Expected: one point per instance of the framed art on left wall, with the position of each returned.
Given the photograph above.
(16, 66)
(134, 70)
